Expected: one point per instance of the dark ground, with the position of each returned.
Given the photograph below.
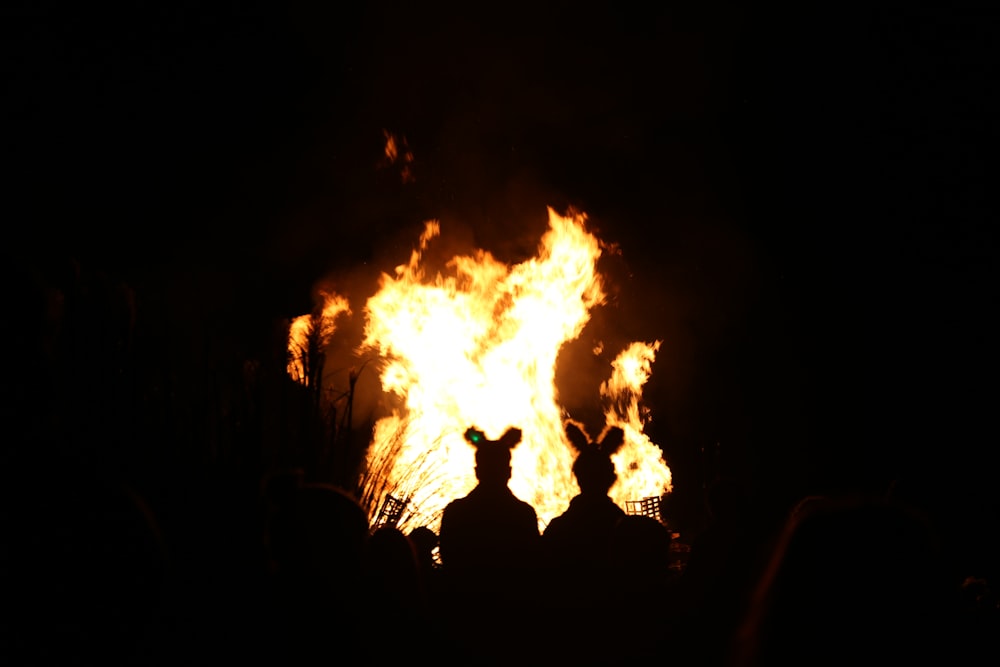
(801, 201)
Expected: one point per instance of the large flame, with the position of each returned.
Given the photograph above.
(479, 346)
(639, 464)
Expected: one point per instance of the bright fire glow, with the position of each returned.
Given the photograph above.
(318, 328)
(640, 467)
(479, 346)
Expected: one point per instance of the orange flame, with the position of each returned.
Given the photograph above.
(479, 347)
(305, 328)
(641, 470)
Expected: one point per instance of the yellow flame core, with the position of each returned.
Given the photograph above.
(479, 347)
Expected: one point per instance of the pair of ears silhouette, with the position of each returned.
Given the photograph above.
(507, 441)
(493, 456)
(608, 443)
(593, 468)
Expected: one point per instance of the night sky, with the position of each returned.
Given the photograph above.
(801, 200)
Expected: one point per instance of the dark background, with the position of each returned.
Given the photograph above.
(800, 200)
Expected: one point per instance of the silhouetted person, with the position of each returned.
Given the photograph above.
(640, 553)
(640, 557)
(425, 542)
(86, 569)
(577, 543)
(392, 572)
(852, 580)
(712, 591)
(488, 547)
(576, 550)
(320, 545)
(393, 601)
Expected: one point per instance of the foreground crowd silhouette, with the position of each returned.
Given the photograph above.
(845, 578)
(283, 569)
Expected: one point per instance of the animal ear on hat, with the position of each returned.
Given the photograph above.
(474, 436)
(577, 437)
(612, 440)
(510, 438)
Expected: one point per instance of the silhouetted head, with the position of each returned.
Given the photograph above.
(593, 468)
(425, 541)
(327, 535)
(391, 561)
(493, 456)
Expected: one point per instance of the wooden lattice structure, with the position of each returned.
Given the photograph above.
(390, 512)
(646, 507)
